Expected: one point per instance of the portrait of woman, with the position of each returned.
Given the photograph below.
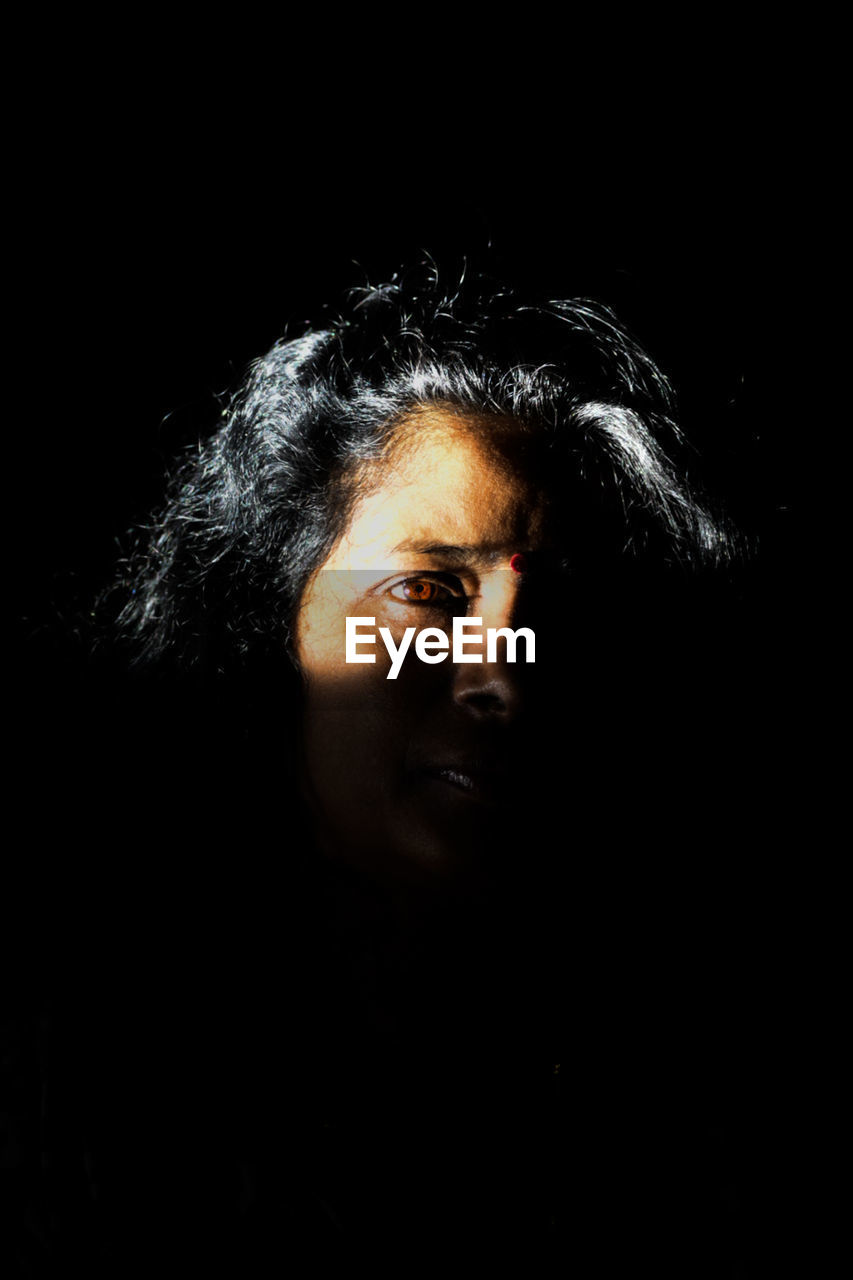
(389, 949)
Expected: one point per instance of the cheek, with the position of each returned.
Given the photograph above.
(359, 732)
(319, 648)
(355, 712)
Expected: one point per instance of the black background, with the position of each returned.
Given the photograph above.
(169, 237)
(165, 244)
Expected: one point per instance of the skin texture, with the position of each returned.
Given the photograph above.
(413, 779)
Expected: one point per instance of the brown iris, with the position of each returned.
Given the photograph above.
(420, 590)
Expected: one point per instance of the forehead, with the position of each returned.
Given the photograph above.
(448, 479)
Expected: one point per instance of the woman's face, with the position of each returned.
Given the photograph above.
(418, 775)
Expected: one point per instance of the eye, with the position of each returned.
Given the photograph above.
(428, 591)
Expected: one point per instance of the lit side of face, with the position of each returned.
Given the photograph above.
(410, 776)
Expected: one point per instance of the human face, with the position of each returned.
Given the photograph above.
(413, 777)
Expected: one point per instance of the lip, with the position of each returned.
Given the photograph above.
(467, 778)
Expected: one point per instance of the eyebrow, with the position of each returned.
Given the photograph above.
(446, 551)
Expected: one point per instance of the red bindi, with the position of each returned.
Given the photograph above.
(517, 563)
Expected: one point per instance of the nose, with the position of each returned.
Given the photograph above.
(487, 690)
(492, 689)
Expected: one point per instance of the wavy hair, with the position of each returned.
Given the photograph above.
(216, 580)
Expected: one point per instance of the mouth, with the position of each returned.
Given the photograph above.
(454, 777)
(486, 785)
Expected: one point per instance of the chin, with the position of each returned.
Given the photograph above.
(434, 834)
(456, 844)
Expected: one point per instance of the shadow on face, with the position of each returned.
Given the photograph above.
(409, 766)
(450, 769)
